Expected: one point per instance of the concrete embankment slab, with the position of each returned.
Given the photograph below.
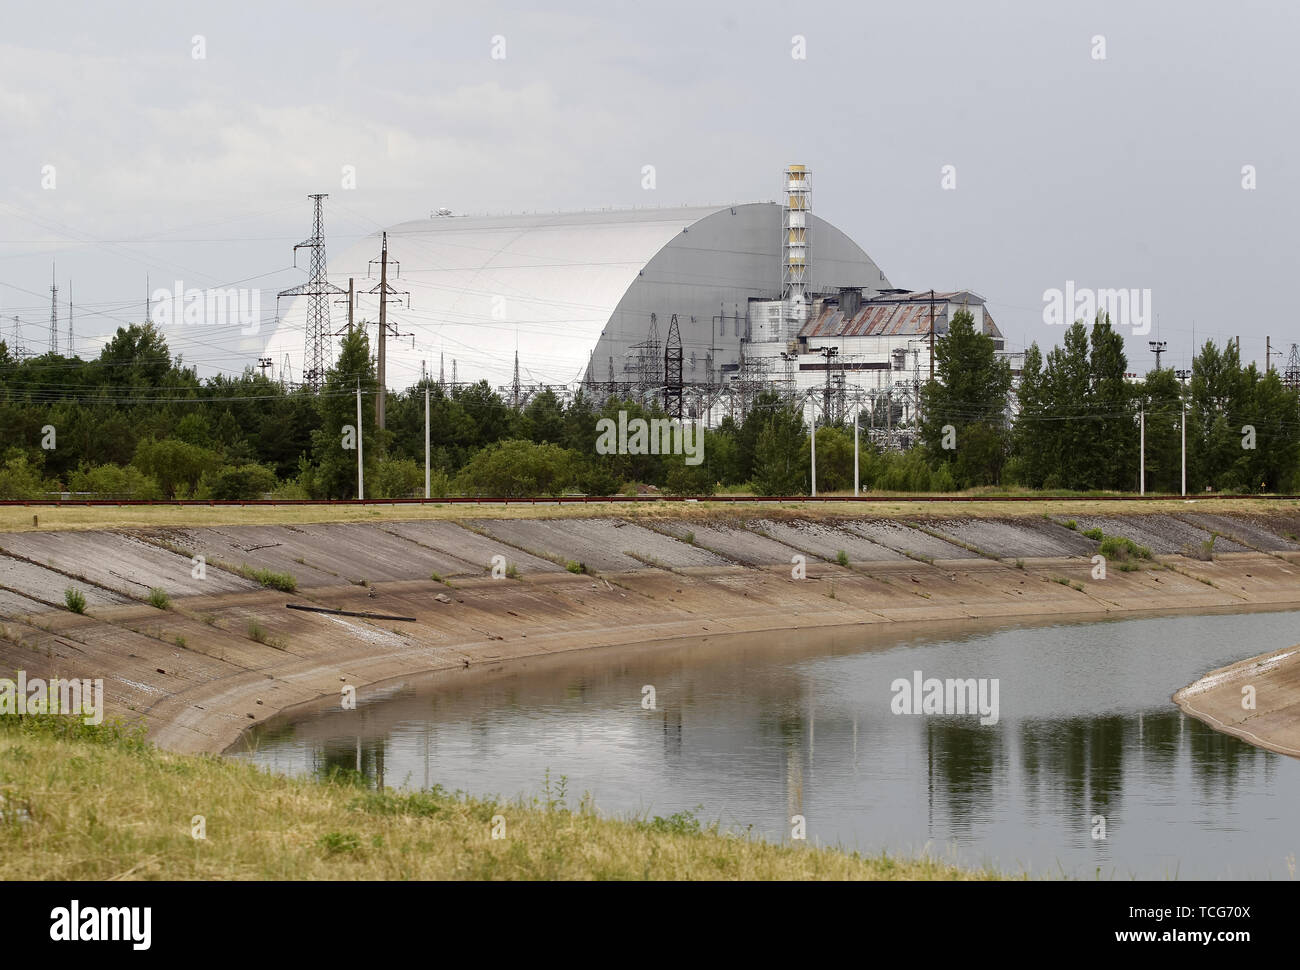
(644, 544)
(734, 541)
(1272, 718)
(12, 604)
(1162, 534)
(321, 554)
(277, 548)
(30, 580)
(905, 539)
(826, 542)
(558, 538)
(472, 551)
(119, 562)
(1246, 531)
(1015, 538)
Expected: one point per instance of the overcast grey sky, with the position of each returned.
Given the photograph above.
(1117, 172)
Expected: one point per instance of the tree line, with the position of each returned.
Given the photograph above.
(137, 423)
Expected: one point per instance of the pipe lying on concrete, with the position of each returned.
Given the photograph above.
(364, 616)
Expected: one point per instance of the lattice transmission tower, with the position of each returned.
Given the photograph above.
(1291, 376)
(673, 371)
(318, 350)
(54, 314)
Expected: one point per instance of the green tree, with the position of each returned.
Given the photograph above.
(236, 482)
(336, 464)
(177, 467)
(970, 390)
(542, 421)
(834, 459)
(779, 468)
(1161, 399)
(1114, 451)
(517, 468)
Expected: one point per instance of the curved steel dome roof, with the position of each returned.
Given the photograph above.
(565, 288)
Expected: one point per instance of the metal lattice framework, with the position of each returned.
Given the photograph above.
(794, 248)
(1291, 376)
(54, 315)
(673, 371)
(318, 349)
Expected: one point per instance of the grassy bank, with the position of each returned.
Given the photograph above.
(80, 802)
(18, 518)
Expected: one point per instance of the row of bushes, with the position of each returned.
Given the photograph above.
(511, 469)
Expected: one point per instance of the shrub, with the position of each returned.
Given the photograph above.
(401, 478)
(114, 481)
(1122, 549)
(517, 468)
(684, 479)
(75, 599)
(842, 558)
(284, 582)
(1094, 533)
(679, 823)
(177, 467)
(575, 567)
(159, 599)
(335, 842)
(20, 479)
(237, 482)
(1204, 552)
(942, 480)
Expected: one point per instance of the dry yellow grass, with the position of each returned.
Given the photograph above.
(55, 518)
(97, 804)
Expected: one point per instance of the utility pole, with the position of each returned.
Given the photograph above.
(361, 474)
(384, 291)
(813, 443)
(426, 440)
(1183, 430)
(381, 399)
(932, 335)
(828, 353)
(352, 302)
(855, 451)
(1142, 451)
(72, 343)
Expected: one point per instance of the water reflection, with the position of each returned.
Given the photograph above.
(763, 729)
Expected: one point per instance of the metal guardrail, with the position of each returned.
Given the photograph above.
(631, 500)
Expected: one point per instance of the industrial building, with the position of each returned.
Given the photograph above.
(703, 307)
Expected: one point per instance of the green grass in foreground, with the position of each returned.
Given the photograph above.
(80, 802)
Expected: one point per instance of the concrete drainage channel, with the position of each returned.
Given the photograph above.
(377, 601)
